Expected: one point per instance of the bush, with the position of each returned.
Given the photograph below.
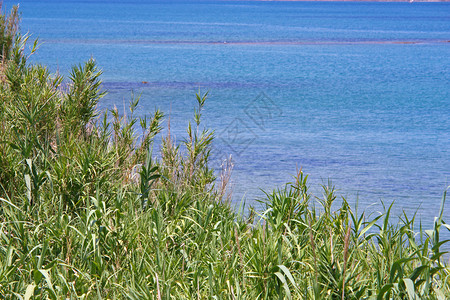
(87, 212)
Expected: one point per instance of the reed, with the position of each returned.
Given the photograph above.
(88, 212)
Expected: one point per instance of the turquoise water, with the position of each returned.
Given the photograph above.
(354, 92)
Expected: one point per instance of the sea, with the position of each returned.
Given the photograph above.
(355, 94)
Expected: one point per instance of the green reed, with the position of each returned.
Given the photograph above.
(87, 211)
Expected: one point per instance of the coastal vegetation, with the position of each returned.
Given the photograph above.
(89, 211)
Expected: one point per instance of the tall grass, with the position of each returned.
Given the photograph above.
(87, 212)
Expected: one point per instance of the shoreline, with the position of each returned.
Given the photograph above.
(421, 1)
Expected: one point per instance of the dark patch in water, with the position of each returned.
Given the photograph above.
(185, 85)
(242, 42)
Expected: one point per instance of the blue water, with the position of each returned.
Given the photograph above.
(358, 93)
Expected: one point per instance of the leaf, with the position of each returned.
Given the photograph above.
(37, 276)
(417, 271)
(368, 226)
(396, 268)
(288, 274)
(46, 274)
(29, 292)
(410, 289)
(28, 184)
(285, 286)
(446, 226)
(386, 288)
(10, 203)
(386, 218)
(29, 163)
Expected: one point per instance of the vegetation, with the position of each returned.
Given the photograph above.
(87, 212)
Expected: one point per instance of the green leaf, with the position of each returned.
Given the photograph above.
(386, 218)
(37, 276)
(386, 288)
(46, 274)
(417, 271)
(285, 286)
(368, 226)
(10, 203)
(288, 274)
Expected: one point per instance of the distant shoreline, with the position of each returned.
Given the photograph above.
(422, 1)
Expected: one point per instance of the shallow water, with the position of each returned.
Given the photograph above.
(355, 92)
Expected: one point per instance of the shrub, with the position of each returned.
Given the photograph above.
(87, 212)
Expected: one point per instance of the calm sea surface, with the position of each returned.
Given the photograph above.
(358, 93)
